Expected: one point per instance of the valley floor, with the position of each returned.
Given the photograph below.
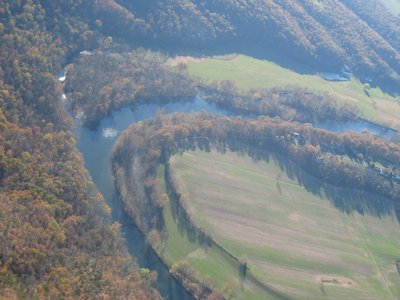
(297, 243)
(249, 73)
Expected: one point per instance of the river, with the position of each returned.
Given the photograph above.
(96, 147)
(358, 126)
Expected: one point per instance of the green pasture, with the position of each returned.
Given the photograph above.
(248, 72)
(393, 5)
(293, 237)
(209, 264)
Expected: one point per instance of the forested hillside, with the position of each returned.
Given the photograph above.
(56, 237)
(323, 34)
(103, 82)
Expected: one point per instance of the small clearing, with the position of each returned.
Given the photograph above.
(332, 280)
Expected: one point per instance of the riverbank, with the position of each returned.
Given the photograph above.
(96, 149)
(119, 120)
(169, 226)
(251, 73)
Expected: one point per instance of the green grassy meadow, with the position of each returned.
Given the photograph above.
(209, 263)
(248, 72)
(295, 241)
(393, 5)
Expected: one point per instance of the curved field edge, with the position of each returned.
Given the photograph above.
(200, 264)
(145, 145)
(215, 179)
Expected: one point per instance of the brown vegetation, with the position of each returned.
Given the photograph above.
(57, 240)
(323, 34)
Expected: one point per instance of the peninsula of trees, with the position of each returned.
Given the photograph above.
(342, 159)
(346, 160)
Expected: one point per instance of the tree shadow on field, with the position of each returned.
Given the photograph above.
(346, 200)
(181, 217)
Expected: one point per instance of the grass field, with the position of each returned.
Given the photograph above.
(209, 264)
(393, 5)
(248, 72)
(294, 241)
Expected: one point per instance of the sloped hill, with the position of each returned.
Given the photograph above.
(323, 34)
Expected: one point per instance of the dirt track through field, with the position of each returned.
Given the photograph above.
(185, 59)
(378, 270)
(255, 210)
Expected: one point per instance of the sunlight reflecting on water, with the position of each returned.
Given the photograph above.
(109, 133)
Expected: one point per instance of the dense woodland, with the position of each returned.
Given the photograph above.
(323, 34)
(103, 82)
(291, 103)
(56, 237)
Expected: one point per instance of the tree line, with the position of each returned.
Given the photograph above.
(325, 35)
(105, 81)
(322, 34)
(341, 159)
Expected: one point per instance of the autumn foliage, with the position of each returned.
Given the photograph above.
(56, 237)
(341, 159)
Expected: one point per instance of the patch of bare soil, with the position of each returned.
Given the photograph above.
(298, 218)
(389, 112)
(335, 280)
(344, 97)
(183, 60)
(259, 233)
